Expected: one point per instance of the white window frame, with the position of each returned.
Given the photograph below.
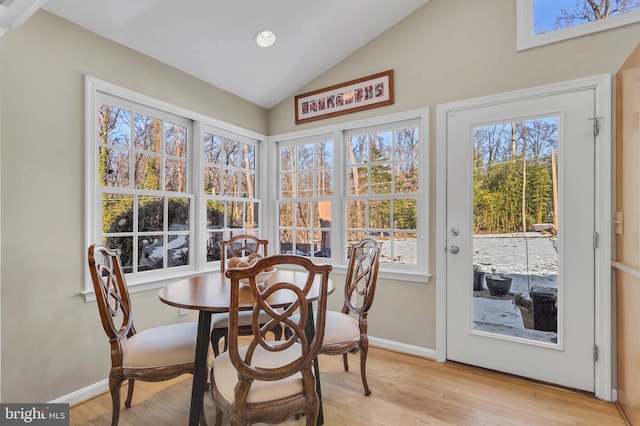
(420, 272)
(393, 195)
(92, 230)
(316, 198)
(525, 21)
(227, 231)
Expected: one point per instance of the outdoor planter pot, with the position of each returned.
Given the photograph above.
(526, 309)
(527, 317)
(498, 285)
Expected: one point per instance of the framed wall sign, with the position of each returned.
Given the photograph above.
(356, 95)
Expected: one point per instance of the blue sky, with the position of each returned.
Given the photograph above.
(545, 12)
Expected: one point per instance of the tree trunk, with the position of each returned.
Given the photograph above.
(554, 177)
(524, 180)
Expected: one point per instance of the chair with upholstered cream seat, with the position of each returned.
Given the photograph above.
(346, 331)
(272, 381)
(240, 246)
(155, 354)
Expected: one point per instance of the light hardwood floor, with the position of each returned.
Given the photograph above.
(407, 390)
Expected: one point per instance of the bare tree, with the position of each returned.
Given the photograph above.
(593, 10)
(524, 176)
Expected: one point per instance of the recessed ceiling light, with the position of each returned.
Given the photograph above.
(265, 38)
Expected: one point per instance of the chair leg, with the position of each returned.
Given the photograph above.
(127, 403)
(203, 419)
(312, 419)
(363, 366)
(219, 415)
(287, 332)
(312, 413)
(277, 332)
(216, 335)
(114, 388)
(226, 342)
(345, 362)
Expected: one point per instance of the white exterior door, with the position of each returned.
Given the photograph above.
(540, 150)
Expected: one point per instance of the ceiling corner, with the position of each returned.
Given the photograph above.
(14, 13)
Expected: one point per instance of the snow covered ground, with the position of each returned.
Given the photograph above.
(531, 260)
(508, 254)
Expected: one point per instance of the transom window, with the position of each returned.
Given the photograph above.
(542, 22)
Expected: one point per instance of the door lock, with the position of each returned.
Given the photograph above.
(454, 249)
(455, 232)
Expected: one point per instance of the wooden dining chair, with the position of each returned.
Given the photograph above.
(270, 381)
(240, 246)
(154, 354)
(346, 331)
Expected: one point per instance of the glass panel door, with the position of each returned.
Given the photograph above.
(515, 229)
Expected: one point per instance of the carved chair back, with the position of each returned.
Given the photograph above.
(112, 295)
(241, 246)
(362, 275)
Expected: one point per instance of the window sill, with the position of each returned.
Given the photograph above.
(414, 276)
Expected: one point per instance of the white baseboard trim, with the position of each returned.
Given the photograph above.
(83, 394)
(614, 395)
(402, 347)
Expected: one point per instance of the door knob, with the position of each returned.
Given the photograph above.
(455, 232)
(454, 249)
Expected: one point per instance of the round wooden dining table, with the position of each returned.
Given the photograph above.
(211, 293)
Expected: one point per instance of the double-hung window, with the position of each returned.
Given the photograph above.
(382, 177)
(142, 183)
(306, 188)
(230, 194)
(356, 180)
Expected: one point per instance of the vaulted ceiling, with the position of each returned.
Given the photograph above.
(213, 40)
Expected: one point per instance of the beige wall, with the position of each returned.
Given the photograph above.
(52, 343)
